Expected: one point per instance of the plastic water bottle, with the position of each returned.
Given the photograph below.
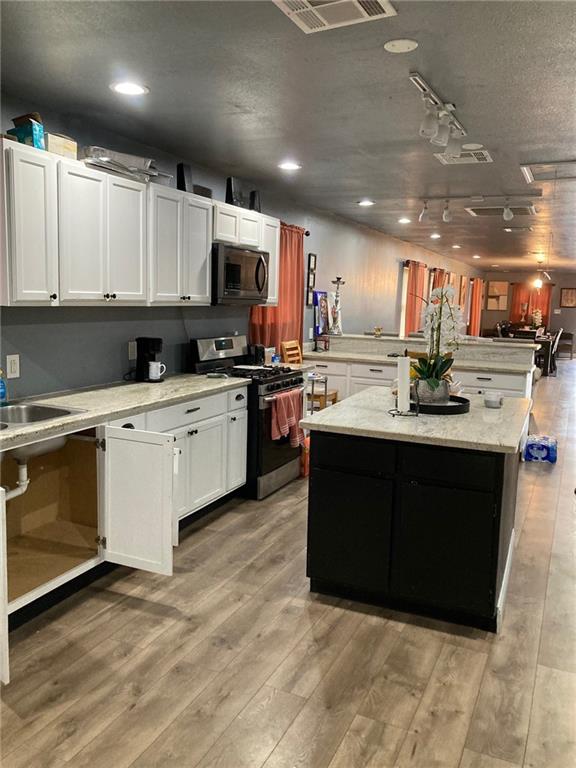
(541, 448)
(3, 394)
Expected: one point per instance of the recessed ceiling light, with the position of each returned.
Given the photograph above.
(456, 246)
(494, 266)
(475, 256)
(130, 89)
(472, 146)
(404, 220)
(365, 203)
(435, 236)
(507, 229)
(289, 165)
(400, 45)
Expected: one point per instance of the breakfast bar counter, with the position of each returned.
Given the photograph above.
(415, 512)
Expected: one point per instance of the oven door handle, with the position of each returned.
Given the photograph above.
(271, 398)
(261, 263)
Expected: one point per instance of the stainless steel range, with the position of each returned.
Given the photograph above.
(271, 463)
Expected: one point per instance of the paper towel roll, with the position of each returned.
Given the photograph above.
(404, 384)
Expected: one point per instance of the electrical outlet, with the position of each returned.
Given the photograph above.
(311, 334)
(12, 366)
(132, 354)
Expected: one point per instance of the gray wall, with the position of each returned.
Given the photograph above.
(71, 347)
(560, 318)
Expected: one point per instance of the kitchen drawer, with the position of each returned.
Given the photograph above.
(490, 380)
(337, 369)
(187, 413)
(482, 390)
(237, 399)
(353, 455)
(449, 466)
(373, 371)
(130, 422)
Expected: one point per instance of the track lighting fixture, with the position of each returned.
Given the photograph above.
(446, 213)
(429, 124)
(507, 213)
(442, 135)
(454, 146)
(424, 212)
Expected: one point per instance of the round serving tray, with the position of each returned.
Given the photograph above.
(455, 406)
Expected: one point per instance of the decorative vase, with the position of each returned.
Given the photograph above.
(426, 394)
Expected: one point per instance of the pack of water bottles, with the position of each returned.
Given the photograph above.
(541, 448)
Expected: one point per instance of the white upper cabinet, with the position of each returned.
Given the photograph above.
(126, 227)
(166, 248)
(138, 488)
(197, 248)
(250, 229)
(82, 220)
(32, 199)
(226, 223)
(270, 242)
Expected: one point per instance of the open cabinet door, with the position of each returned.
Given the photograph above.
(139, 471)
(4, 662)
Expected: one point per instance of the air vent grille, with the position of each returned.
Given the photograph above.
(498, 210)
(467, 157)
(564, 170)
(320, 15)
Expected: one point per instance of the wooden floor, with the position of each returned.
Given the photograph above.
(233, 664)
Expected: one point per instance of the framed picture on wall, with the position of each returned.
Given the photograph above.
(568, 298)
(311, 262)
(497, 295)
(309, 297)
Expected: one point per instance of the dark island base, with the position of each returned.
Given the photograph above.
(417, 528)
(490, 624)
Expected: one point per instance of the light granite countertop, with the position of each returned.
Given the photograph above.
(367, 414)
(464, 342)
(500, 366)
(103, 404)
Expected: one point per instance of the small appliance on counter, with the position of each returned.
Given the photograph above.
(271, 463)
(147, 347)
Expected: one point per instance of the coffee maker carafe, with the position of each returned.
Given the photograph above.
(146, 350)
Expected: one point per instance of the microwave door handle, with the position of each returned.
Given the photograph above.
(261, 262)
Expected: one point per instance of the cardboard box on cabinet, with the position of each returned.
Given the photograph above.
(61, 145)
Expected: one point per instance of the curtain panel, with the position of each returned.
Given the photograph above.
(439, 278)
(475, 306)
(415, 298)
(272, 325)
(525, 299)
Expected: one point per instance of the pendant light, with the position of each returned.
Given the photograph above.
(446, 213)
(538, 283)
(424, 212)
(443, 133)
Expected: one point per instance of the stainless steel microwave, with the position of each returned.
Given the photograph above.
(239, 275)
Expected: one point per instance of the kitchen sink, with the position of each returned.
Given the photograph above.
(28, 413)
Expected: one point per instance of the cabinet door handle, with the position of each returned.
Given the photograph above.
(239, 397)
(193, 410)
(375, 370)
(113, 296)
(53, 296)
(129, 425)
(107, 296)
(192, 432)
(483, 378)
(233, 418)
(189, 298)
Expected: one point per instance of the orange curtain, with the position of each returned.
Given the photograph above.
(520, 309)
(272, 325)
(417, 273)
(439, 278)
(475, 306)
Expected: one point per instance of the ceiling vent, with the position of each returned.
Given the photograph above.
(467, 157)
(484, 211)
(321, 15)
(564, 170)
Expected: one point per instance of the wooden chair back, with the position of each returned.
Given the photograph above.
(291, 352)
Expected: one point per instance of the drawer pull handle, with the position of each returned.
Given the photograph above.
(129, 425)
(53, 296)
(192, 432)
(375, 370)
(484, 378)
(193, 410)
(239, 397)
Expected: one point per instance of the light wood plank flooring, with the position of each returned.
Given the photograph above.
(233, 664)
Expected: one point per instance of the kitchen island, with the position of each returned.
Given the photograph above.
(415, 512)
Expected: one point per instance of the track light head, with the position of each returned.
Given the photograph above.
(507, 213)
(424, 212)
(446, 213)
(454, 145)
(429, 124)
(442, 135)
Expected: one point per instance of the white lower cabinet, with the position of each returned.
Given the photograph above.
(237, 444)
(357, 385)
(4, 660)
(207, 461)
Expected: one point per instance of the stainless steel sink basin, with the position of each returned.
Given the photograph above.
(28, 413)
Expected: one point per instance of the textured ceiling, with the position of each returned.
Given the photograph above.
(237, 86)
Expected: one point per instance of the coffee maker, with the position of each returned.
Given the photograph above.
(147, 348)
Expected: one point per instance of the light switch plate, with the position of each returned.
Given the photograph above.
(12, 366)
(557, 311)
(311, 333)
(132, 353)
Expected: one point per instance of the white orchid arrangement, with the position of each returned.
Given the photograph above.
(442, 323)
(537, 318)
